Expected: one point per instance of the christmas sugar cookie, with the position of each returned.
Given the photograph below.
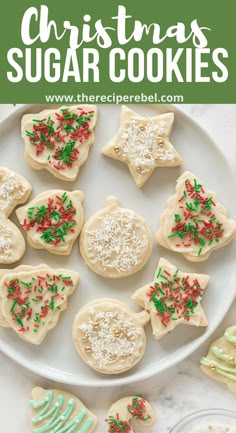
(172, 298)
(115, 242)
(14, 190)
(143, 143)
(53, 220)
(59, 140)
(128, 409)
(32, 298)
(109, 336)
(220, 362)
(55, 411)
(194, 223)
(12, 243)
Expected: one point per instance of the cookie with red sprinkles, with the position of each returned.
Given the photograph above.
(53, 220)
(32, 299)
(173, 298)
(194, 223)
(59, 140)
(125, 410)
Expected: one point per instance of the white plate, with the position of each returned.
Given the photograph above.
(56, 358)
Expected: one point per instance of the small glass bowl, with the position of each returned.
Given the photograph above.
(204, 418)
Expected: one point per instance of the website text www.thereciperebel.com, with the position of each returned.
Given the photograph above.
(114, 98)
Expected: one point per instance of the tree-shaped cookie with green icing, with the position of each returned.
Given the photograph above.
(129, 410)
(194, 223)
(55, 411)
(220, 362)
(32, 299)
(173, 298)
(59, 140)
(53, 220)
(143, 143)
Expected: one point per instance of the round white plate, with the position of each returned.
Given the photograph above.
(56, 358)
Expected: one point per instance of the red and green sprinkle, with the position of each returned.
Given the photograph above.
(174, 297)
(138, 409)
(116, 425)
(32, 300)
(54, 220)
(59, 137)
(196, 222)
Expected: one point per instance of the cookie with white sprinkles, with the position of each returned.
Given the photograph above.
(109, 336)
(194, 223)
(59, 140)
(53, 220)
(32, 299)
(115, 242)
(143, 143)
(12, 243)
(14, 190)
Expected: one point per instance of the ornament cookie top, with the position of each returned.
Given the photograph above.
(172, 298)
(55, 411)
(194, 223)
(32, 298)
(220, 362)
(53, 220)
(14, 190)
(109, 336)
(115, 242)
(143, 143)
(59, 140)
(127, 409)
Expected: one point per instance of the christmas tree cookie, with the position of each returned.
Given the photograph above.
(220, 362)
(14, 190)
(194, 223)
(12, 243)
(53, 220)
(127, 409)
(115, 242)
(59, 140)
(143, 143)
(32, 299)
(55, 411)
(172, 298)
(109, 336)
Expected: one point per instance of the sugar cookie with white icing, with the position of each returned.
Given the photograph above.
(115, 242)
(32, 299)
(109, 336)
(59, 140)
(173, 298)
(58, 411)
(220, 362)
(194, 222)
(143, 143)
(129, 409)
(53, 220)
(14, 190)
(12, 243)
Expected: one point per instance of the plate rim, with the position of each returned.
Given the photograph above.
(177, 357)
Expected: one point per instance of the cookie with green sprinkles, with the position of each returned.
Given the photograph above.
(173, 298)
(195, 223)
(122, 412)
(53, 220)
(59, 140)
(32, 299)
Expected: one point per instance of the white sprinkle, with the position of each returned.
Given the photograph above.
(5, 241)
(10, 190)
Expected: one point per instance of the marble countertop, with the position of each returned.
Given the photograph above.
(175, 393)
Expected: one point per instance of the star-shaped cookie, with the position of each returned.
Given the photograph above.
(194, 223)
(173, 297)
(143, 143)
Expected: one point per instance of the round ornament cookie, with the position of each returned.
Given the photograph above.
(128, 409)
(115, 242)
(109, 336)
(53, 220)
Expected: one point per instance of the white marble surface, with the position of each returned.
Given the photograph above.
(175, 393)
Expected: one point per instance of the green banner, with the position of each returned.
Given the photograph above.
(118, 51)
